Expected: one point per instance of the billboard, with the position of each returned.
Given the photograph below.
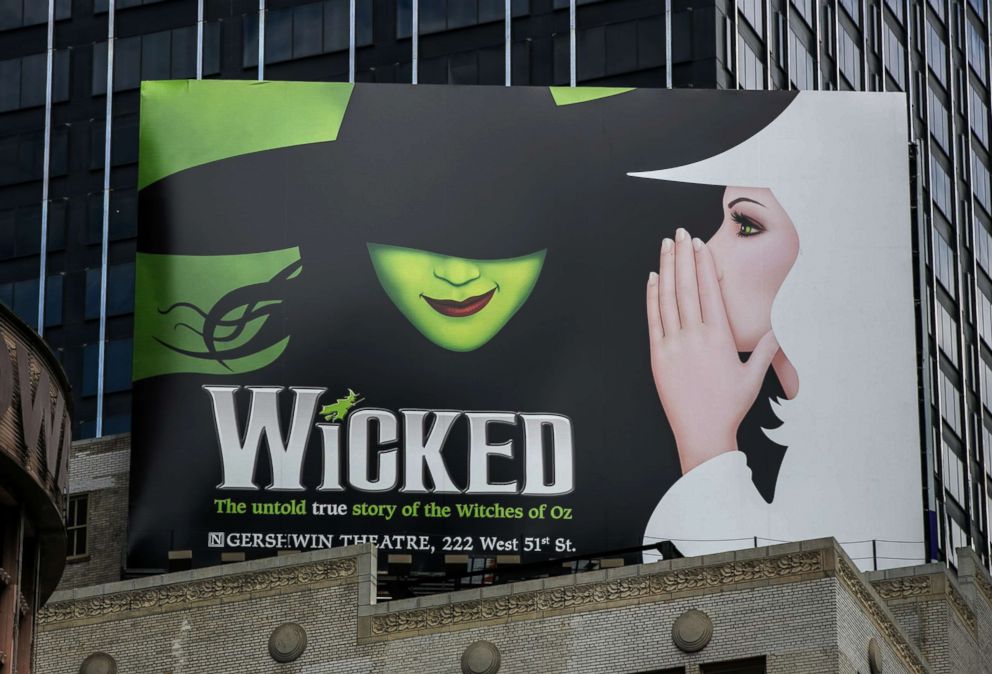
(522, 321)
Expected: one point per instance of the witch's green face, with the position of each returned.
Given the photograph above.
(458, 304)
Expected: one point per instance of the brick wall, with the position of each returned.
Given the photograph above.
(784, 602)
(99, 468)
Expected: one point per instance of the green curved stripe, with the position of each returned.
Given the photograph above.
(186, 123)
(572, 95)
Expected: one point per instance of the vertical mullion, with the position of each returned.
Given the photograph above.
(415, 39)
(261, 40)
(835, 39)
(865, 23)
(104, 238)
(736, 56)
(668, 43)
(351, 40)
(817, 74)
(508, 41)
(43, 253)
(882, 25)
(787, 43)
(571, 43)
(955, 151)
(199, 39)
(766, 15)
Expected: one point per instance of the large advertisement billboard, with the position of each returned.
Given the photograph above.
(522, 321)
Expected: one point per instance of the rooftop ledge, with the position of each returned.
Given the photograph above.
(533, 599)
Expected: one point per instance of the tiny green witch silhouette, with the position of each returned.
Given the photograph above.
(339, 409)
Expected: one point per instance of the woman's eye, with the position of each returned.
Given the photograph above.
(747, 226)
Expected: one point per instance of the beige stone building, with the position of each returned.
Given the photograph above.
(785, 609)
(800, 608)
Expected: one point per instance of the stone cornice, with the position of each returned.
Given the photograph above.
(181, 595)
(658, 586)
(903, 588)
(982, 582)
(964, 611)
(855, 584)
(934, 586)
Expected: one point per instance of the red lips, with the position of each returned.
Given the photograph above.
(460, 309)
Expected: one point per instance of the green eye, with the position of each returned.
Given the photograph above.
(748, 227)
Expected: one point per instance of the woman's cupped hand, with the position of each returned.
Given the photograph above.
(704, 387)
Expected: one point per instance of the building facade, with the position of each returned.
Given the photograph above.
(69, 76)
(35, 441)
(800, 608)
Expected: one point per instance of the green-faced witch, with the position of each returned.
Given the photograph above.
(457, 303)
(479, 250)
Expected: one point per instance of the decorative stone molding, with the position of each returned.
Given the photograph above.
(573, 596)
(902, 588)
(481, 657)
(692, 631)
(983, 584)
(287, 642)
(875, 662)
(963, 610)
(197, 590)
(852, 580)
(98, 663)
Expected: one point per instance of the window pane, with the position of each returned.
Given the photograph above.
(53, 300)
(91, 360)
(127, 63)
(249, 40)
(184, 53)
(10, 13)
(120, 289)
(7, 248)
(117, 370)
(34, 77)
(10, 84)
(278, 35)
(26, 301)
(363, 22)
(98, 86)
(156, 55)
(60, 76)
(211, 48)
(123, 214)
(308, 22)
(92, 293)
(28, 231)
(335, 25)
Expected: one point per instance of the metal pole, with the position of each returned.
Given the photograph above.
(508, 39)
(668, 43)
(571, 43)
(351, 41)
(415, 41)
(199, 39)
(105, 234)
(49, 77)
(261, 40)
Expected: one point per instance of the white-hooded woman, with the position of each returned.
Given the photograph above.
(810, 272)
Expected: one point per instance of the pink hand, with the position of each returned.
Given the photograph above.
(704, 387)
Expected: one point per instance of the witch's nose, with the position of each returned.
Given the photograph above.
(456, 271)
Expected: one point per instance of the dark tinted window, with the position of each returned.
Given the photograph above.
(53, 300)
(120, 289)
(117, 369)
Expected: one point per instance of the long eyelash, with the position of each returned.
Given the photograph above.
(743, 221)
